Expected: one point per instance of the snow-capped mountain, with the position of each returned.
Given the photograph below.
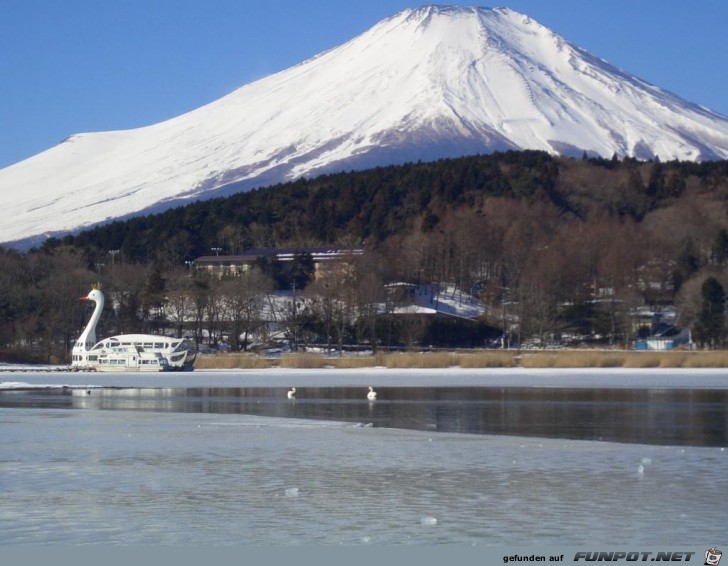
(426, 83)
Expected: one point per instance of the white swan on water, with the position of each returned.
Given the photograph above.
(372, 395)
(292, 393)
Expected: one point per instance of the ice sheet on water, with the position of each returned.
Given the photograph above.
(16, 385)
(254, 421)
(10, 385)
(195, 478)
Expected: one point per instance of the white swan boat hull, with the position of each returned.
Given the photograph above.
(129, 359)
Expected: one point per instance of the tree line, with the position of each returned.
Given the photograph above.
(556, 246)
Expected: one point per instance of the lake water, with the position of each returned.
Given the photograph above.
(447, 457)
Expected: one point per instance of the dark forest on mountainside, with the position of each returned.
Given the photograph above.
(555, 246)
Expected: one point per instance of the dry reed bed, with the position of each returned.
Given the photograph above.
(476, 359)
(232, 361)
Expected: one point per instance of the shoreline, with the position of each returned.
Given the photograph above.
(465, 359)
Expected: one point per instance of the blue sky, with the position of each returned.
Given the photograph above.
(91, 65)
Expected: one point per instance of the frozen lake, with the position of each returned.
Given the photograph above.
(443, 457)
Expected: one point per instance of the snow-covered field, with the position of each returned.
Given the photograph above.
(712, 378)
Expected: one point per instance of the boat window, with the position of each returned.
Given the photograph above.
(159, 344)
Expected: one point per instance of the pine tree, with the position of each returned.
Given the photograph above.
(720, 247)
(710, 326)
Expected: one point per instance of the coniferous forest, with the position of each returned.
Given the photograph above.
(556, 247)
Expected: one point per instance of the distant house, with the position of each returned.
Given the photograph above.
(657, 328)
(650, 320)
(667, 337)
(324, 259)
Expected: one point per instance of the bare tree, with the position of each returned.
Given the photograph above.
(180, 300)
(244, 297)
(213, 309)
(369, 296)
(124, 287)
(200, 298)
(333, 298)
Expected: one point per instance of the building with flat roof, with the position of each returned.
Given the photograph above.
(323, 258)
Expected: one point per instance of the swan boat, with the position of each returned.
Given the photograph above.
(125, 352)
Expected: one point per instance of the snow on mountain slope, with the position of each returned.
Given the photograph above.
(426, 83)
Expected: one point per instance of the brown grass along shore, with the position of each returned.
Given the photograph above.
(476, 359)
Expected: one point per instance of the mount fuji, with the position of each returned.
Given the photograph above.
(423, 84)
